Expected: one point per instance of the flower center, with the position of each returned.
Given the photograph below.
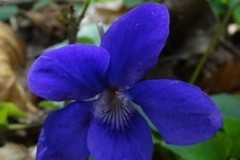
(114, 109)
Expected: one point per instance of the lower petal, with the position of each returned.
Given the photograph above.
(132, 143)
(64, 134)
(182, 113)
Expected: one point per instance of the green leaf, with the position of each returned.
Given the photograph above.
(232, 129)
(3, 118)
(222, 1)
(132, 3)
(40, 4)
(236, 11)
(8, 11)
(100, 1)
(219, 8)
(14, 111)
(236, 15)
(91, 32)
(230, 108)
(8, 109)
(232, 3)
(85, 40)
(50, 105)
(217, 148)
(228, 104)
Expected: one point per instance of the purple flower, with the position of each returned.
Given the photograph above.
(104, 121)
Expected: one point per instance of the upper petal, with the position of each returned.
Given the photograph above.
(132, 143)
(134, 43)
(72, 72)
(64, 134)
(182, 113)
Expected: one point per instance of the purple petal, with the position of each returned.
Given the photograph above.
(72, 72)
(64, 134)
(132, 143)
(182, 113)
(134, 43)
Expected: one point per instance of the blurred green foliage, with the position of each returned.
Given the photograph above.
(230, 107)
(228, 104)
(232, 129)
(221, 6)
(7, 110)
(217, 148)
(50, 105)
(7, 12)
(85, 40)
(88, 33)
(133, 3)
(40, 4)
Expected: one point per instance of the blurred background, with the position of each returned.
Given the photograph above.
(203, 48)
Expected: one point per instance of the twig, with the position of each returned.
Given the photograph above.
(212, 44)
(230, 47)
(73, 24)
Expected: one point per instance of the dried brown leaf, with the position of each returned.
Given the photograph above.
(12, 57)
(224, 79)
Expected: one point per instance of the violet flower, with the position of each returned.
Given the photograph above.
(104, 82)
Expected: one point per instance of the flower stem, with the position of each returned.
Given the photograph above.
(212, 44)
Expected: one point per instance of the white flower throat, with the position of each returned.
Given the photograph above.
(114, 109)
